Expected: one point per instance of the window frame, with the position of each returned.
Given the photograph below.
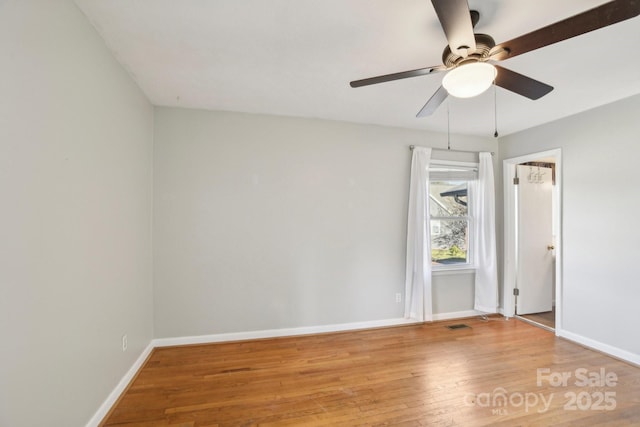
(447, 170)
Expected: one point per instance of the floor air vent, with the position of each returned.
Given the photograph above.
(458, 326)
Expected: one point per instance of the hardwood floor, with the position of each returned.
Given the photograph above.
(547, 318)
(407, 376)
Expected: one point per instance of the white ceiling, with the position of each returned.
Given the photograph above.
(296, 58)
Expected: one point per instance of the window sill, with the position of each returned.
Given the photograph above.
(453, 270)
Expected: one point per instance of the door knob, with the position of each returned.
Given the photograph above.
(550, 247)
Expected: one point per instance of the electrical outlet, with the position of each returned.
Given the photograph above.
(124, 342)
(398, 297)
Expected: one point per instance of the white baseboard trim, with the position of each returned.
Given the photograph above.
(119, 389)
(457, 315)
(275, 333)
(602, 347)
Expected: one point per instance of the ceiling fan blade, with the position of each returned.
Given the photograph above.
(593, 19)
(397, 76)
(455, 19)
(433, 103)
(520, 84)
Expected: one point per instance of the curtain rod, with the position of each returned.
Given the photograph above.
(411, 147)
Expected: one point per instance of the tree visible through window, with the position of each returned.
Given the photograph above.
(450, 222)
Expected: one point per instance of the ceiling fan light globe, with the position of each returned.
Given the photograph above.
(467, 81)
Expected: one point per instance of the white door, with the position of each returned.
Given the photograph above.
(535, 266)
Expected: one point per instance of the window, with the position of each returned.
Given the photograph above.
(450, 221)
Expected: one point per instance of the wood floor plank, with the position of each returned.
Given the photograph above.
(426, 374)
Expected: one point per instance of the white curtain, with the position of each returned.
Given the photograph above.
(483, 207)
(418, 274)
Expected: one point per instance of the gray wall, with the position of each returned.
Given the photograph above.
(264, 222)
(601, 201)
(75, 229)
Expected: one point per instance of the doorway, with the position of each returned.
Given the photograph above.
(532, 279)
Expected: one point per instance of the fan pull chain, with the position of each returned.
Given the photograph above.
(495, 110)
(448, 128)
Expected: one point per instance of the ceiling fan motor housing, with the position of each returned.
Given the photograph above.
(484, 44)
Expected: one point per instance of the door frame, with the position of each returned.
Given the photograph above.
(510, 232)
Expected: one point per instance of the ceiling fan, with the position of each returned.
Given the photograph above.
(469, 58)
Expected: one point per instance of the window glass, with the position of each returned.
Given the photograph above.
(450, 223)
